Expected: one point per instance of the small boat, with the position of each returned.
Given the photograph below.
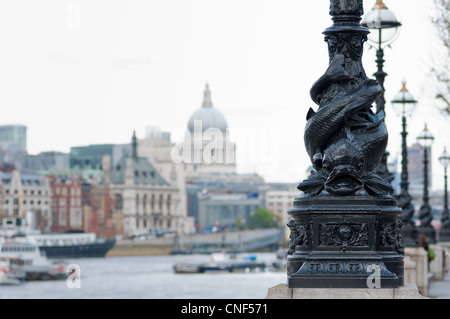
(33, 263)
(11, 272)
(221, 263)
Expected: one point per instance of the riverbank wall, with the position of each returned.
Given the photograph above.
(165, 245)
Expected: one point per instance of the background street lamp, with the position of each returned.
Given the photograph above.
(404, 105)
(384, 28)
(444, 233)
(425, 139)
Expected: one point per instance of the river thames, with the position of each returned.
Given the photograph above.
(150, 277)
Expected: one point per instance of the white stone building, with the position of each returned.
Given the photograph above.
(27, 196)
(280, 201)
(207, 147)
(144, 199)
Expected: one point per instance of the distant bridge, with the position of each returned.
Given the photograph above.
(240, 242)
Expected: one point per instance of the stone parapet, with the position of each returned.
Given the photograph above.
(420, 257)
(281, 291)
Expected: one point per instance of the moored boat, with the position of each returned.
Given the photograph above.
(11, 272)
(58, 245)
(221, 263)
(33, 264)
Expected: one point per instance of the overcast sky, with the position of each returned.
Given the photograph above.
(91, 71)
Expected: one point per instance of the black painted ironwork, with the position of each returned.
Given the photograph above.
(425, 216)
(410, 233)
(444, 231)
(404, 199)
(346, 223)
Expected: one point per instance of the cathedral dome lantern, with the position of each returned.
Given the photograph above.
(208, 116)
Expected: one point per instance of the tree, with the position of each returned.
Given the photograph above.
(263, 218)
(239, 223)
(442, 24)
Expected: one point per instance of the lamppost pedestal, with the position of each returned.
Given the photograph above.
(345, 242)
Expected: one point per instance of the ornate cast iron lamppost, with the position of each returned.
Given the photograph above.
(444, 233)
(404, 104)
(384, 28)
(425, 139)
(346, 223)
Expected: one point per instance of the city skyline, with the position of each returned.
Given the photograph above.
(80, 73)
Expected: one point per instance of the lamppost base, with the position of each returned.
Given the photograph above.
(345, 242)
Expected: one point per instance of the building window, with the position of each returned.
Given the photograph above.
(144, 204)
(137, 203)
(54, 218)
(119, 201)
(152, 203)
(160, 203)
(168, 203)
(62, 217)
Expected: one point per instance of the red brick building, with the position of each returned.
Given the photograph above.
(66, 207)
(98, 207)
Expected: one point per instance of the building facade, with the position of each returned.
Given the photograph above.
(157, 148)
(91, 156)
(144, 200)
(216, 193)
(100, 215)
(26, 196)
(415, 167)
(207, 147)
(51, 162)
(67, 208)
(14, 133)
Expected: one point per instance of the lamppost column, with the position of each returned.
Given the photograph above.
(445, 192)
(404, 104)
(404, 184)
(425, 215)
(444, 232)
(384, 28)
(380, 75)
(426, 198)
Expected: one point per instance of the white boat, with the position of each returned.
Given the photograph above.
(57, 245)
(11, 271)
(34, 264)
(221, 262)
